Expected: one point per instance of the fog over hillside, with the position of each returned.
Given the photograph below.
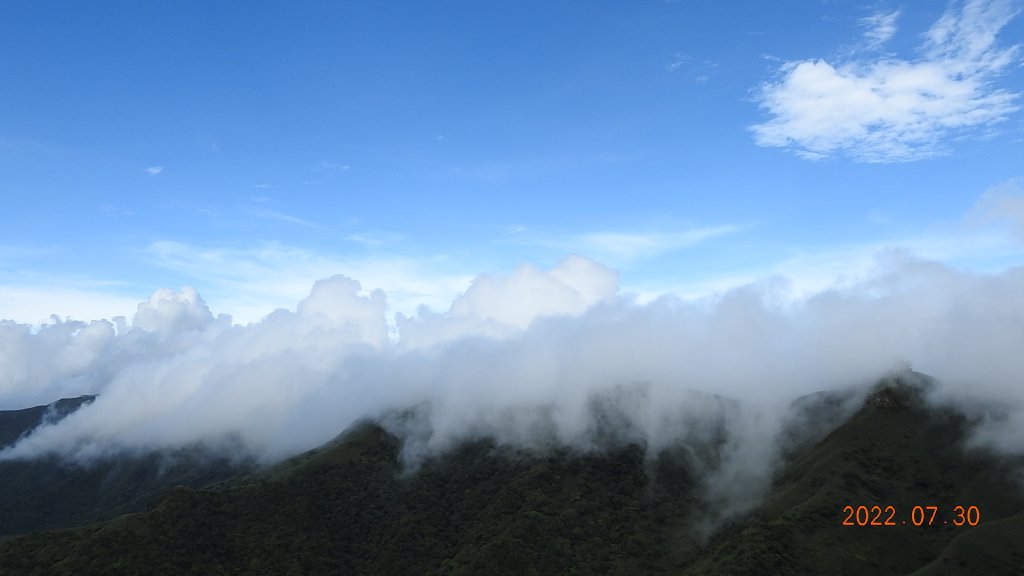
(533, 357)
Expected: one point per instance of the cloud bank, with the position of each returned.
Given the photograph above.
(532, 358)
(892, 110)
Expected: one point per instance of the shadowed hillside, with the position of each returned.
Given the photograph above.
(16, 423)
(48, 492)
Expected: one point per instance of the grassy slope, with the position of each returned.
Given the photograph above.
(350, 509)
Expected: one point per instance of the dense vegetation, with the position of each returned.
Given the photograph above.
(351, 508)
(891, 453)
(48, 492)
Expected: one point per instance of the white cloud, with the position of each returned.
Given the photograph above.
(574, 357)
(337, 300)
(116, 211)
(154, 170)
(879, 28)
(698, 70)
(168, 312)
(376, 238)
(497, 306)
(892, 110)
(678, 61)
(1003, 205)
(283, 217)
(988, 238)
(526, 355)
(333, 166)
(634, 245)
(250, 283)
(620, 248)
(35, 303)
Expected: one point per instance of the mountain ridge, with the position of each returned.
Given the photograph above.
(48, 492)
(351, 507)
(15, 424)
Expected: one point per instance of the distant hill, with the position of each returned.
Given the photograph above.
(350, 508)
(48, 493)
(16, 423)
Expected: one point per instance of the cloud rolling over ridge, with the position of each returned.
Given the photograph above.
(548, 343)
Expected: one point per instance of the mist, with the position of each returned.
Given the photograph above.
(533, 358)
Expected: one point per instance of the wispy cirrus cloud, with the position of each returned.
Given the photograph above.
(698, 70)
(1002, 205)
(892, 110)
(626, 246)
(375, 238)
(678, 61)
(987, 238)
(284, 217)
(620, 247)
(879, 28)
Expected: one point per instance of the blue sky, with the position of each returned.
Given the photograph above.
(248, 149)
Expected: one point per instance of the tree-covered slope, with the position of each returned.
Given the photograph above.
(351, 508)
(896, 453)
(48, 492)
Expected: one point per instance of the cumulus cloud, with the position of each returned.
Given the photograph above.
(532, 358)
(36, 303)
(501, 306)
(170, 312)
(336, 301)
(253, 281)
(154, 170)
(894, 110)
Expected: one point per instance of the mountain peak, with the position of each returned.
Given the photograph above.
(899, 390)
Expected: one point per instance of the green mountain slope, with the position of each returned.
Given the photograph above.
(891, 453)
(350, 508)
